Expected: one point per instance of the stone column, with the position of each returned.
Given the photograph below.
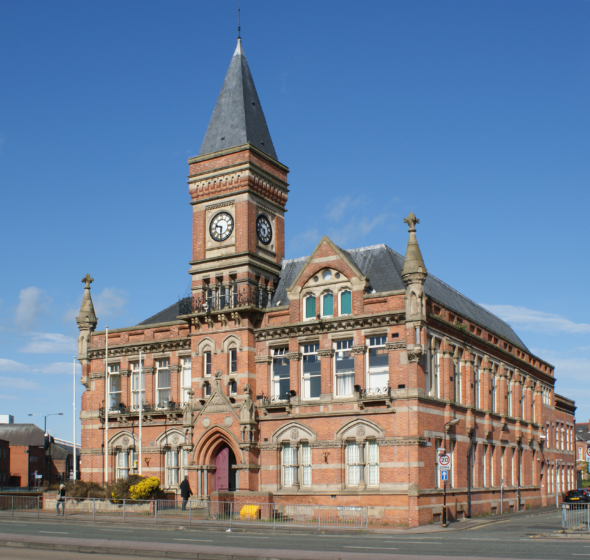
(199, 486)
(296, 466)
(362, 481)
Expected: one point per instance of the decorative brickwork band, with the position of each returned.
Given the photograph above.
(145, 347)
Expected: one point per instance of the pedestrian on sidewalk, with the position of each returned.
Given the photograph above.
(61, 499)
(185, 492)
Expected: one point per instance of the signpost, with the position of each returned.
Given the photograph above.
(444, 475)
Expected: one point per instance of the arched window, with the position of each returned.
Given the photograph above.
(310, 307)
(207, 389)
(345, 302)
(327, 305)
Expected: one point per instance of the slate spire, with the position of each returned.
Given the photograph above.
(238, 118)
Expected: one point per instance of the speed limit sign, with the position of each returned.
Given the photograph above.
(444, 462)
(588, 453)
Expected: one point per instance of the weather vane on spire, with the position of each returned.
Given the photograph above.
(239, 32)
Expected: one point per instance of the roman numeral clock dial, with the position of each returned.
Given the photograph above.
(264, 229)
(221, 226)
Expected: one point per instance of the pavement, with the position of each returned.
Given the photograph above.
(531, 534)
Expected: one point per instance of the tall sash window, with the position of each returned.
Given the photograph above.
(163, 382)
(186, 379)
(122, 464)
(378, 363)
(310, 307)
(281, 383)
(353, 463)
(305, 464)
(289, 465)
(345, 302)
(114, 386)
(327, 305)
(344, 368)
(137, 392)
(373, 463)
(172, 467)
(312, 379)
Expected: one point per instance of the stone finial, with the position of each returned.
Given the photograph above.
(414, 269)
(87, 319)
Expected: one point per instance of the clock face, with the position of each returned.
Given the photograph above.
(264, 229)
(221, 226)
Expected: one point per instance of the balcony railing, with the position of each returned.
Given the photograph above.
(221, 300)
(123, 410)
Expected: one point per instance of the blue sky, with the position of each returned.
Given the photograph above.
(473, 115)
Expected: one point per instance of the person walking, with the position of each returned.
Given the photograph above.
(185, 492)
(61, 499)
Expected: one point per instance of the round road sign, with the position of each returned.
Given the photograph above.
(444, 461)
(588, 453)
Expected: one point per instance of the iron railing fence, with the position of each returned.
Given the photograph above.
(225, 299)
(191, 512)
(575, 517)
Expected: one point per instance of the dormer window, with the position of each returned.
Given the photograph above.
(328, 305)
(310, 307)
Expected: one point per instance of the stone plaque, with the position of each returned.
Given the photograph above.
(228, 421)
(206, 422)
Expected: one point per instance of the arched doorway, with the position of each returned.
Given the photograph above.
(225, 476)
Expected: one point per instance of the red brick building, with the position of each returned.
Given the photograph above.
(26, 453)
(331, 379)
(582, 437)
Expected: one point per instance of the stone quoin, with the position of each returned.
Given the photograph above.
(327, 379)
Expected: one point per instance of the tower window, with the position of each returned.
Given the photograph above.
(327, 305)
(345, 302)
(233, 360)
(207, 359)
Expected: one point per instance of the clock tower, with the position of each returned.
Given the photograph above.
(238, 193)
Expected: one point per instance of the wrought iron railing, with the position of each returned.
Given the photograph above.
(216, 300)
(168, 406)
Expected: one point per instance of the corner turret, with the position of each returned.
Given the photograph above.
(414, 274)
(87, 322)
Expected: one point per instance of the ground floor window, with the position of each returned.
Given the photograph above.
(126, 463)
(373, 463)
(172, 467)
(289, 460)
(305, 464)
(353, 464)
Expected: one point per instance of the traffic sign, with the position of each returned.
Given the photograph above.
(444, 462)
(444, 476)
(588, 453)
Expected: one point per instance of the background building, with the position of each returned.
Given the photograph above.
(333, 378)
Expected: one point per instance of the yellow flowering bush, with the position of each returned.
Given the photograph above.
(145, 489)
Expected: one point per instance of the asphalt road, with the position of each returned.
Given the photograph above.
(508, 538)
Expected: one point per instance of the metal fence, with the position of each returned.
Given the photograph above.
(575, 517)
(190, 513)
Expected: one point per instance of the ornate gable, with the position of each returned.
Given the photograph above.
(217, 402)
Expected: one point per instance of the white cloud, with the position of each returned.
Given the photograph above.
(337, 209)
(33, 303)
(109, 302)
(18, 383)
(537, 321)
(50, 343)
(12, 366)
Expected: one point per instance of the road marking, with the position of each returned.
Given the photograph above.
(118, 530)
(55, 532)
(247, 537)
(414, 542)
(371, 547)
(193, 540)
(479, 539)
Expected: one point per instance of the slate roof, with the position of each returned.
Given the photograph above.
(237, 118)
(382, 266)
(22, 434)
(582, 432)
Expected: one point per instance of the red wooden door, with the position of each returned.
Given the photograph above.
(222, 470)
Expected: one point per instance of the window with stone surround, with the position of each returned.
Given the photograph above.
(458, 374)
(186, 379)
(378, 363)
(343, 368)
(289, 465)
(305, 464)
(114, 386)
(372, 463)
(327, 304)
(353, 466)
(233, 360)
(207, 389)
(122, 464)
(137, 378)
(509, 394)
(477, 382)
(484, 469)
(311, 371)
(433, 368)
(309, 305)
(162, 381)
(172, 467)
(207, 361)
(281, 383)
(494, 389)
(345, 302)
(473, 465)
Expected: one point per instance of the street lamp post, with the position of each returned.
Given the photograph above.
(447, 426)
(557, 461)
(48, 457)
